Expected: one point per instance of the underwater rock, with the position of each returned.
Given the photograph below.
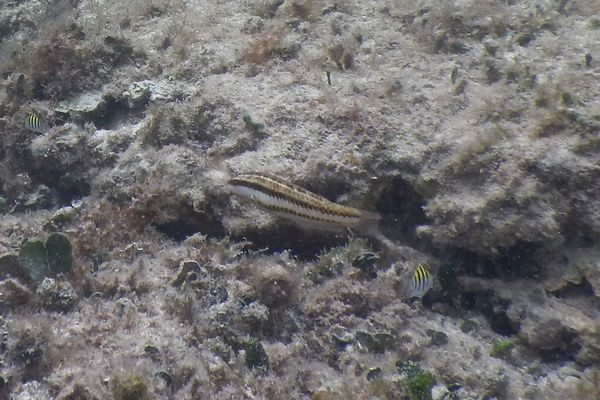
(129, 385)
(151, 91)
(189, 271)
(42, 197)
(377, 342)
(12, 293)
(548, 335)
(253, 24)
(582, 263)
(32, 390)
(589, 354)
(437, 338)
(56, 295)
(137, 94)
(84, 106)
(10, 268)
(462, 129)
(374, 373)
(256, 357)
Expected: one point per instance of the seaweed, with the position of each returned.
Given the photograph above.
(40, 260)
(417, 383)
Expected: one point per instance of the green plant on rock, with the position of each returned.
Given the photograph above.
(502, 348)
(254, 127)
(38, 259)
(417, 383)
(256, 357)
(377, 342)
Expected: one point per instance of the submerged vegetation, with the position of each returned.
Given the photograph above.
(39, 259)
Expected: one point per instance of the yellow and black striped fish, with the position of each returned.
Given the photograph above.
(35, 123)
(421, 282)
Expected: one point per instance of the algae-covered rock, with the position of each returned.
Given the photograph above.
(12, 293)
(501, 348)
(374, 373)
(83, 105)
(129, 385)
(10, 267)
(437, 338)
(365, 262)
(377, 342)
(58, 295)
(152, 352)
(189, 270)
(256, 357)
(468, 325)
(165, 377)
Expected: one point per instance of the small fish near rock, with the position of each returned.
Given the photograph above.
(420, 283)
(36, 124)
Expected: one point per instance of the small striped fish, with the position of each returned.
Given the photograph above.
(36, 124)
(299, 205)
(420, 282)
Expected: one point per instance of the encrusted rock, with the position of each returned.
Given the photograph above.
(57, 295)
(12, 293)
(80, 108)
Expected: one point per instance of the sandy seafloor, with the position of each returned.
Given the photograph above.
(471, 127)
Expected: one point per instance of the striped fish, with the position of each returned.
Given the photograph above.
(297, 204)
(36, 124)
(420, 282)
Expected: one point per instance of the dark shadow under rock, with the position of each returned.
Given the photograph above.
(305, 245)
(401, 208)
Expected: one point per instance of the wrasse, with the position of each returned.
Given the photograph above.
(299, 205)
